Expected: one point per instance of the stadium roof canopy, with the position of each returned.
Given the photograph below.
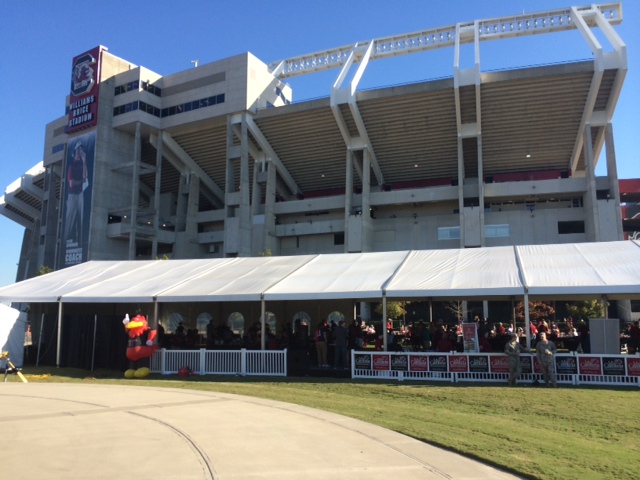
(561, 271)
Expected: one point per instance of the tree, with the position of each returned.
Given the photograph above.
(43, 270)
(456, 307)
(395, 310)
(537, 311)
(586, 309)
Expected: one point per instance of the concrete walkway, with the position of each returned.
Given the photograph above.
(82, 431)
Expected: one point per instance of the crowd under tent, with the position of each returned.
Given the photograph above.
(605, 271)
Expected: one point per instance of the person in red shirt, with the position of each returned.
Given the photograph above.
(485, 346)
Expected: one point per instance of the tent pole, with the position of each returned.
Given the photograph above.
(93, 351)
(58, 347)
(384, 321)
(263, 322)
(40, 339)
(527, 324)
(430, 312)
(155, 313)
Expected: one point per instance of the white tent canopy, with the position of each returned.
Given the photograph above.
(341, 275)
(563, 271)
(246, 279)
(581, 270)
(478, 272)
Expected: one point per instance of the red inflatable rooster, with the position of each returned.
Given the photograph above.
(136, 329)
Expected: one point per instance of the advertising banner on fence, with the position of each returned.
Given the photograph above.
(566, 366)
(362, 361)
(499, 364)
(418, 363)
(438, 363)
(633, 367)
(400, 363)
(381, 362)
(479, 363)
(458, 363)
(612, 366)
(590, 366)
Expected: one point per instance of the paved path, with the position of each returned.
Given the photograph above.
(82, 431)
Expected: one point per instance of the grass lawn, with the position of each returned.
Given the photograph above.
(564, 433)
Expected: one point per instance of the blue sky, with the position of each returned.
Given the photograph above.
(40, 38)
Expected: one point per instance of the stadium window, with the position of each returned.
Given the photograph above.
(494, 231)
(338, 239)
(449, 233)
(195, 104)
(570, 227)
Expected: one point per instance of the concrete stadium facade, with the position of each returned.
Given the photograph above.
(217, 161)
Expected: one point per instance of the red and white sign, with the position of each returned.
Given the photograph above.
(633, 367)
(418, 363)
(83, 100)
(590, 365)
(458, 363)
(381, 362)
(499, 364)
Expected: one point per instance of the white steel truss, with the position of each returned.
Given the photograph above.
(490, 29)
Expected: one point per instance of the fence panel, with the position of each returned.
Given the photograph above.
(221, 362)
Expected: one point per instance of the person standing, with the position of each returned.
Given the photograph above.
(320, 338)
(512, 350)
(76, 177)
(340, 338)
(546, 351)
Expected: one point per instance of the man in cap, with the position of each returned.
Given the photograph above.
(546, 351)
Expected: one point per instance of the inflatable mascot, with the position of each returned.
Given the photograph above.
(136, 328)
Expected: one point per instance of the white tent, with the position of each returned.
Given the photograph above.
(608, 270)
(472, 273)
(342, 275)
(581, 270)
(13, 325)
(567, 271)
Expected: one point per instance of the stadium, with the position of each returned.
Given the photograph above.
(218, 161)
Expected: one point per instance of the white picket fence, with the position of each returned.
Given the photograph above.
(221, 362)
(571, 369)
